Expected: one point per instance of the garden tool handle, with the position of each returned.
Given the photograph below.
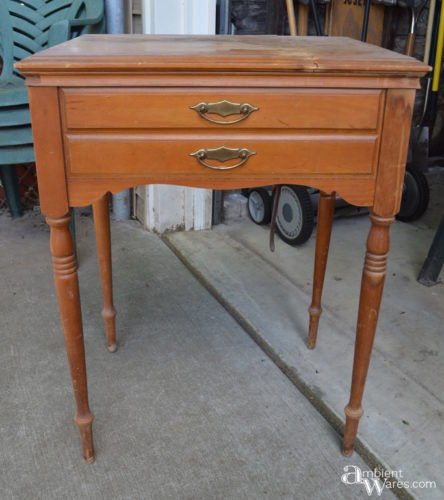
(410, 44)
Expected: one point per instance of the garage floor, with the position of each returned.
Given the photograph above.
(403, 423)
(189, 407)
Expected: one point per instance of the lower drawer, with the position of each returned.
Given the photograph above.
(139, 155)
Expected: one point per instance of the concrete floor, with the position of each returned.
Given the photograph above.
(403, 423)
(189, 407)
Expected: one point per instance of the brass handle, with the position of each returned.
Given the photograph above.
(224, 108)
(222, 154)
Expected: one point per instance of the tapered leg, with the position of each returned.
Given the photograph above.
(326, 211)
(67, 287)
(103, 238)
(372, 285)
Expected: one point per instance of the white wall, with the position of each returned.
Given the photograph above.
(174, 207)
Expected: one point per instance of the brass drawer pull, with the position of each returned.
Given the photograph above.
(222, 154)
(224, 108)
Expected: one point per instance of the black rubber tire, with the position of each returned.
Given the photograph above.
(295, 231)
(261, 195)
(415, 195)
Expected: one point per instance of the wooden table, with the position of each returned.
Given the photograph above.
(110, 112)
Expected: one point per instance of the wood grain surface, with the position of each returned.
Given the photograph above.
(140, 53)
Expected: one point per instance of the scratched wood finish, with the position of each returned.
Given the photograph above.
(94, 132)
(139, 53)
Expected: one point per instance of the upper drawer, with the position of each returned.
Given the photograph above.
(172, 108)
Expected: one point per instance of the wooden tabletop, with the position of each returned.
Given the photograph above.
(142, 53)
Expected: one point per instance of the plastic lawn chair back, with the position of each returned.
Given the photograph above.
(26, 27)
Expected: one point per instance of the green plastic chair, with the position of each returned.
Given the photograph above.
(26, 27)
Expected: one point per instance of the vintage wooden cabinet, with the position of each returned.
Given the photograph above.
(110, 112)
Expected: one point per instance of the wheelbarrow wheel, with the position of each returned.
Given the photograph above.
(295, 215)
(259, 206)
(415, 195)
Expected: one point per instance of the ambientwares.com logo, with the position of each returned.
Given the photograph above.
(376, 480)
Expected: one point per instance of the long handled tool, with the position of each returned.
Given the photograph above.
(428, 39)
(434, 48)
(291, 18)
(432, 105)
(415, 11)
(430, 52)
(366, 19)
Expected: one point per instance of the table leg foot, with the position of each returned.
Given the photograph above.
(315, 313)
(372, 284)
(103, 239)
(67, 288)
(84, 424)
(323, 233)
(109, 316)
(352, 417)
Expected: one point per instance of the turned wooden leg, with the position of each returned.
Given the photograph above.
(67, 287)
(372, 285)
(103, 238)
(326, 211)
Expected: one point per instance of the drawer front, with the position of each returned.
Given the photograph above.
(100, 155)
(331, 109)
